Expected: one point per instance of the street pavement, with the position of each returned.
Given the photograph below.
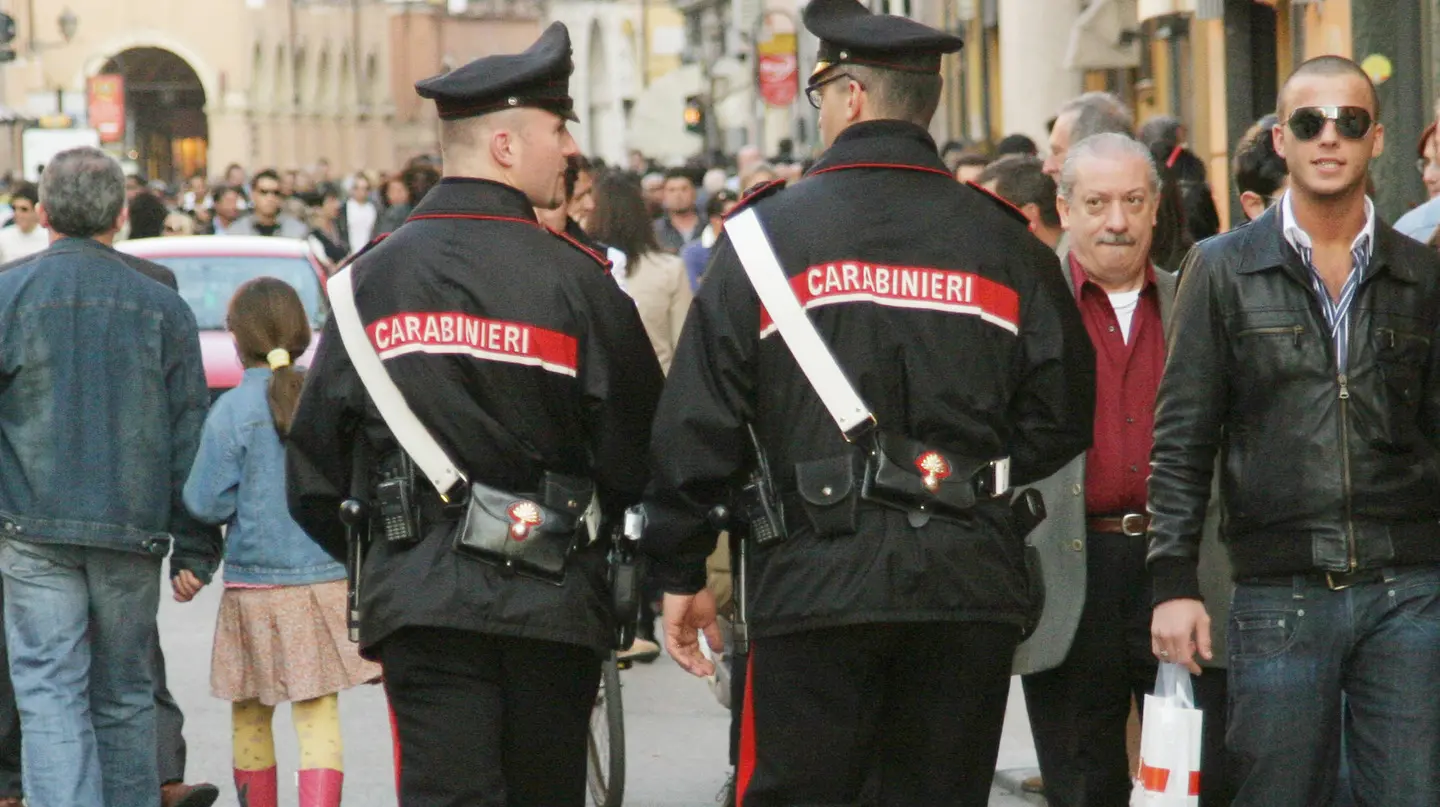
(675, 731)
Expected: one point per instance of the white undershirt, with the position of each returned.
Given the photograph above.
(1125, 303)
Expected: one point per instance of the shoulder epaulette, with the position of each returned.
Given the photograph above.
(757, 193)
(576, 243)
(1002, 203)
(374, 242)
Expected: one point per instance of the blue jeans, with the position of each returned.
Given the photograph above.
(80, 622)
(1299, 654)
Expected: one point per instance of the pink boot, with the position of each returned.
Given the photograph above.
(320, 787)
(256, 788)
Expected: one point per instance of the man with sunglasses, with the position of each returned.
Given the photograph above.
(881, 634)
(268, 216)
(1304, 351)
(24, 236)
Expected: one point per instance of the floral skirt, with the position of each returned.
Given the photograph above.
(287, 643)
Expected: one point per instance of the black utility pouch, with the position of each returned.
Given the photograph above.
(908, 475)
(827, 493)
(522, 535)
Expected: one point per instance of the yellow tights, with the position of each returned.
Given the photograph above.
(317, 724)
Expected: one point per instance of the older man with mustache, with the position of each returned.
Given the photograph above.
(1109, 192)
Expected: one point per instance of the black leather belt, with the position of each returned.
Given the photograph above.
(1335, 581)
(1133, 525)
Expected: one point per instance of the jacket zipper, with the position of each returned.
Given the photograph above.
(1345, 466)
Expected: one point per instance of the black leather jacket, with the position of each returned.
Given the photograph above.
(1321, 471)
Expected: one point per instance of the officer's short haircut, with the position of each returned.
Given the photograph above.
(1108, 144)
(898, 94)
(1021, 180)
(1327, 66)
(1256, 166)
(27, 191)
(1098, 113)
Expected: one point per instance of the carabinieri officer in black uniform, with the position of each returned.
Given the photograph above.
(518, 352)
(881, 634)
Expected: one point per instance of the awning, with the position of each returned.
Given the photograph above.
(1104, 37)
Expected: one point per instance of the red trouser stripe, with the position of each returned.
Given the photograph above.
(394, 741)
(747, 732)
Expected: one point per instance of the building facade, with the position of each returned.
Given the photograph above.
(256, 82)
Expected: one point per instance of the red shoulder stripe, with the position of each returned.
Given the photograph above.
(1005, 204)
(896, 166)
(757, 193)
(576, 243)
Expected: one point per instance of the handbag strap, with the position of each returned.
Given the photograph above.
(763, 268)
(409, 432)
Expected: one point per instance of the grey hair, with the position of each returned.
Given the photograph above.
(1098, 113)
(83, 191)
(1109, 144)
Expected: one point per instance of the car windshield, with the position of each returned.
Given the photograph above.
(207, 283)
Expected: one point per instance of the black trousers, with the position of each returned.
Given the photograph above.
(489, 720)
(1079, 710)
(887, 714)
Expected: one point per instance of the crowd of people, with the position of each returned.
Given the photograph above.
(1068, 318)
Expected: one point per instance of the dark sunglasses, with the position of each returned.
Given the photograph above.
(812, 93)
(1351, 122)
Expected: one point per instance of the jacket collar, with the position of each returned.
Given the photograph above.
(471, 195)
(1266, 248)
(882, 144)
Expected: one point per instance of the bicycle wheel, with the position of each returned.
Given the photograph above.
(605, 768)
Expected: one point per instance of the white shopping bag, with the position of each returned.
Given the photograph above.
(1169, 774)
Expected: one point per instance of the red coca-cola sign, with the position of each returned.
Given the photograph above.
(777, 64)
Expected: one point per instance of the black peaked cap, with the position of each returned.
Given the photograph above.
(539, 77)
(850, 34)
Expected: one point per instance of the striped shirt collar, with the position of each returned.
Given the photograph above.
(1300, 240)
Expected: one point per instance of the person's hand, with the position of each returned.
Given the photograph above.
(186, 585)
(1178, 629)
(685, 616)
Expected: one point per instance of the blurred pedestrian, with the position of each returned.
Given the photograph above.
(654, 278)
(178, 223)
(147, 216)
(758, 175)
(226, 204)
(1022, 182)
(653, 186)
(82, 586)
(1083, 116)
(1016, 144)
(681, 222)
(267, 218)
(969, 167)
(325, 226)
(280, 635)
(24, 236)
(1261, 175)
(359, 214)
(696, 254)
(1428, 162)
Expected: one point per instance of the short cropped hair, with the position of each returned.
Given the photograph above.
(899, 95)
(1327, 66)
(1257, 168)
(1021, 180)
(83, 191)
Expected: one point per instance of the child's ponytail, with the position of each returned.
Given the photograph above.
(271, 329)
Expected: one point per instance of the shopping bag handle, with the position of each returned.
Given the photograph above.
(1172, 682)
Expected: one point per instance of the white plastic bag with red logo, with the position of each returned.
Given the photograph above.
(1169, 774)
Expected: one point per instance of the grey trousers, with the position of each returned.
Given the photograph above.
(168, 723)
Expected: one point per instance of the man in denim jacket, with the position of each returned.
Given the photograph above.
(102, 398)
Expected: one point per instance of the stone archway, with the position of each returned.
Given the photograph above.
(166, 129)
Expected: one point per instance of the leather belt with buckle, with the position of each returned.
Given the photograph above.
(1133, 525)
(1335, 581)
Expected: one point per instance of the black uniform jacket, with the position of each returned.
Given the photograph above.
(521, 355)
(954, 324)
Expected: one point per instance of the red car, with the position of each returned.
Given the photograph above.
(208, 270)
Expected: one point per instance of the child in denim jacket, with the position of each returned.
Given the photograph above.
(281, 633)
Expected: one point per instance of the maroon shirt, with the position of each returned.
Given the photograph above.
(1126, 378)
